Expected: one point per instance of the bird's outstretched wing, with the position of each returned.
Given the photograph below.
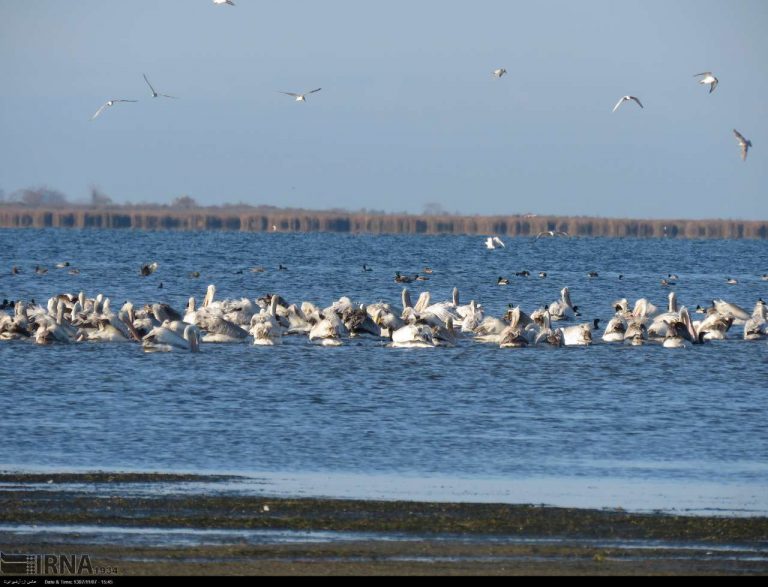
(703, 73)
(100, 110)
(149, 84)
(636, 100)
(619, 103)
(313, 91)
(743, 143)
(291, 94)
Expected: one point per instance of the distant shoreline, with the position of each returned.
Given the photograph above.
(270, 219)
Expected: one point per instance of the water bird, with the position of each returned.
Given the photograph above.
(493, 242)
(592, 274)
(15, 270)
(497, 73)
(301, 97)
(148, 269)
(366, 268)
(282, 267)
(62, 265)
(523, 273)
(708, 78)
(764, 277)
(745, 144)
(551, 233)
(194, 274)
(154, 93)
(107, 104)
(428, 270)
(542, 274)
(731, 281)
(502, 281)
(399, 278)
(625, 99)
(40, 270)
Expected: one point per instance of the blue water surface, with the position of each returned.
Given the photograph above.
(683, 418)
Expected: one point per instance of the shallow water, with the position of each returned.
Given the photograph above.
(667, 429)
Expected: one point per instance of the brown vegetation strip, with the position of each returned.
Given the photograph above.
(270, 219)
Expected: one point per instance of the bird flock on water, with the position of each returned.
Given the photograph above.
(70, 318)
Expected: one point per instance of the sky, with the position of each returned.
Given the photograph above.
(409, 117)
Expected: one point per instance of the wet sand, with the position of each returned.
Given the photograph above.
(374, 537)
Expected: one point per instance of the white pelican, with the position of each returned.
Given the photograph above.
(745, 144)
(162, 339)
(301, 97)
(624, 99)
(154, 93)
(107, 104)
(413, 336)
(615, 330)
(328, 331)
(563, 309)
(578, 334)
(708, 78)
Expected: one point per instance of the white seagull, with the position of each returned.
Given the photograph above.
(301, 97)
(624, 99)
(154, 93)
(107, 104)
(497, 73)
(708, 79)
(745, 144)
(224, 2)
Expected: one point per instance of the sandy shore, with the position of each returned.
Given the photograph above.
(182, 532)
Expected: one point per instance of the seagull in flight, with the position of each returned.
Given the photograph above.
(301, 97)
(154, 93)
(624, 99)
(708, 78)
(107, 104)
(224, 2)
(745, 144)
(497, 73)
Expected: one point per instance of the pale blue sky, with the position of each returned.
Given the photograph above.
(409, 112)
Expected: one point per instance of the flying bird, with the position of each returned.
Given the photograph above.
(154, 93)
(301, 97)
(107, 104)
(224, 2)
(708, 79)
(497, 73)
(624, 99)
(745, 144)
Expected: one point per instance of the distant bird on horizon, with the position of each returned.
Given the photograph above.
(497, 73)
(107, 104)
(154, 93)
(301, 97)
(224, 2)
(625, 99)
(708, 78)
(745, 144)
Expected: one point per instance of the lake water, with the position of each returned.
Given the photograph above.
(643, 428)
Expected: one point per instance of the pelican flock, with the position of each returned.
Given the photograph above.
(267, 321)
